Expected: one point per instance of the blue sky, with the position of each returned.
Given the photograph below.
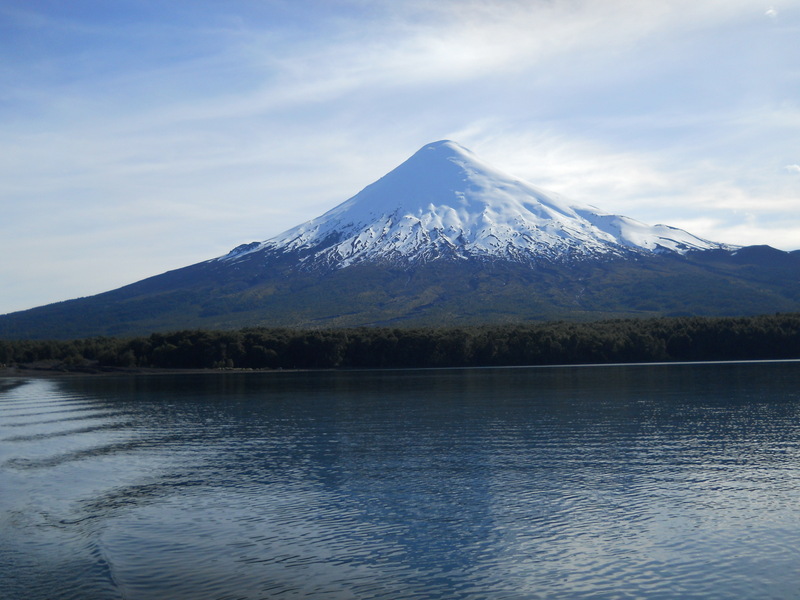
(142, 136)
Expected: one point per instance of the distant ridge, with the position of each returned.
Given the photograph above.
(443, 239)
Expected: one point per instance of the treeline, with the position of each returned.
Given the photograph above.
(628, 340)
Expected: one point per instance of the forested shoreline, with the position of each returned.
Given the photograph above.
(612, 341)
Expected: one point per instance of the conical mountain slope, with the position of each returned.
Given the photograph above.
(443, 239)
(444, 202)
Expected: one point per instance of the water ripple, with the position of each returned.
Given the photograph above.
(69, 432)
(84, 417)
(93, 452)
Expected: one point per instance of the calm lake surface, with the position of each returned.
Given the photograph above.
(663, 481)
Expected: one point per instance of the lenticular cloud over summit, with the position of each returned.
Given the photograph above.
(445, 202)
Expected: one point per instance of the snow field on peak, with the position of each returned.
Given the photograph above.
(445, 201)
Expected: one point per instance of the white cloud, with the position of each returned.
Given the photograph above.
(793, 168)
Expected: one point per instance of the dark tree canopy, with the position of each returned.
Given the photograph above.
(624, 340)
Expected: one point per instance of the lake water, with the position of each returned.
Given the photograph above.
(663, 481)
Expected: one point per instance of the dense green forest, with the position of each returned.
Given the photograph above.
(628, 340)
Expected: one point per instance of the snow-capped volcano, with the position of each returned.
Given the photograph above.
(446, 202)
(443, 239)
